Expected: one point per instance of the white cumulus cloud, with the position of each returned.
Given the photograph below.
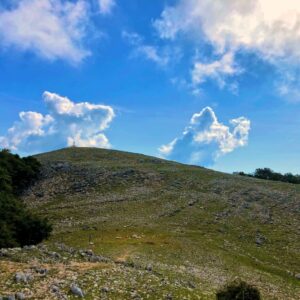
(205, 139)
(217, 70)
(30, 124)
(52, 29)
(268, 28)
(65, 124)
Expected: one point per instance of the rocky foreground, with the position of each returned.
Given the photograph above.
(40, 273)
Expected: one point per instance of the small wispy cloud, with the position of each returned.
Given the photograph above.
(205, 139)
(106, 6)
(161, 56)
(218, 70)
(66, 123)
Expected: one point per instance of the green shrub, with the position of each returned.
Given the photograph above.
(18, 227)
(31, 230)
(238, 290)
(268, 174)
(22, 171)
(5, 181)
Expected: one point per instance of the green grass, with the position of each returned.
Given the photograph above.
(190, 223)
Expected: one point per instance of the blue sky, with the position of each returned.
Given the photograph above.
(205, 82)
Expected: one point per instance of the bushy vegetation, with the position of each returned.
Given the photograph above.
(17, 173)
(18, 227)
(239, 290)
(268, 174)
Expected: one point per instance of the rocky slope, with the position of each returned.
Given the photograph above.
(128, 226)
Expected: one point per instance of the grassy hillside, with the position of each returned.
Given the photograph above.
(163, 230)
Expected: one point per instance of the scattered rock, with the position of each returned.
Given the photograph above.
(20, 277)
(297, 276)
(260, 239)
(54, 255)
(149, 268)
(105, 290)
(42, 271)
(31, 247)
(4, 252)
(97, 258)
(135, 236)
(20, 296)
(76, 290)
(89, 252)
(54, 289)
(39, 194)
(191, 285)
(135, 295)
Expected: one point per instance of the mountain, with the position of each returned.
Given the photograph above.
(129, 226)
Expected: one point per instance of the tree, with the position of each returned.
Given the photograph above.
(268, 174)
(18, 226)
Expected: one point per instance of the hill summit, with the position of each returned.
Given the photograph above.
(130, 226)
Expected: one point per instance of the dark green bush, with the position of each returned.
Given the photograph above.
(5, 181)
(268, 174)
(22, 171)
(238, 290)
(18, 227)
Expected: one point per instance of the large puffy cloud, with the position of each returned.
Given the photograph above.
(66, 123)
(205, 139)
(30, 124)
(270, 29)
(53, 29)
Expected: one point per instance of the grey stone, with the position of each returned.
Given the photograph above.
(149, 268)
(55, 255)
(42, 271)
(42, 247)
(76, 290)
(20, 277)
(105, 289)
(4, 252)
(55, 289)
(191, 285)
(89, 252)
(260, 239)
(135, 295)
(20, 296)
(297, 276)
(39, 194)
(94, 258)
(31, 247)
(29, 277)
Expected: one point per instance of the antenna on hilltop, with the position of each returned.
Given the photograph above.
(74, 144)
